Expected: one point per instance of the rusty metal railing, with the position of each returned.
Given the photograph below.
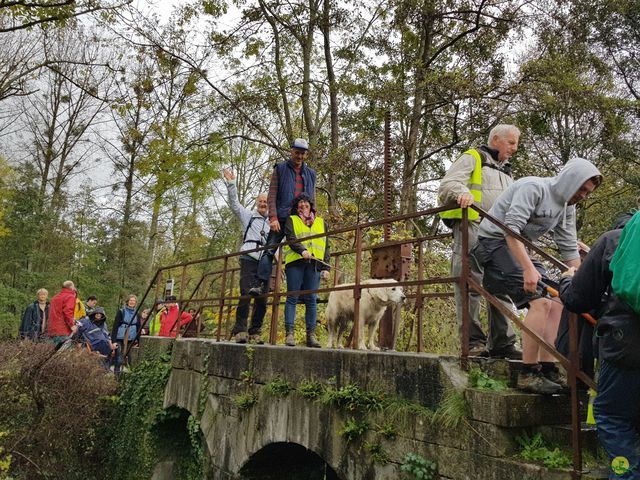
(358, 248)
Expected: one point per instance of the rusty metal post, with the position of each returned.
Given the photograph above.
(182, 281)
(228, 319)
(158, 286)
(199, 321)
(275, 307)
(574, 367)
(357, 332)
(464, 289)
(336, 267)
(419, 297)
(223, 288)
(387, 174)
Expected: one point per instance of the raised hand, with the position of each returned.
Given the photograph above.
(228, 175)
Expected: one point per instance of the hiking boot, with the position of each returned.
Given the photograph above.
(478, 351)
(241, 337)
(256, 338)
(312, 341)
(290, 340)
(535, 382)
(509, 352)
(556, 377)
(257, 290)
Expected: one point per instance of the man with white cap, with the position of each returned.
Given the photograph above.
(288, 180)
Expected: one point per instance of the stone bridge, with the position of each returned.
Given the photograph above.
(270, 412)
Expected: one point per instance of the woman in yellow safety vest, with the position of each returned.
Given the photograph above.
(305, 262)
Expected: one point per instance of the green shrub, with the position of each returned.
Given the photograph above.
(479, 379)
(278, 387)
(536, 449)
(53, 407)
(246, 400)
(353, 429)
(417, 467)
(310, 389)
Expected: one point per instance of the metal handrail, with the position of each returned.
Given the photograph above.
(465, 282)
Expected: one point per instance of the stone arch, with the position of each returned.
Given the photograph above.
(174, 445)
(286, 461)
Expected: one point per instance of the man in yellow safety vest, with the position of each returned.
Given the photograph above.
(479, 176)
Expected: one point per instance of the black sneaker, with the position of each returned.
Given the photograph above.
(478, 351)
(240, 337)
(510, 352)
(556, 377)
(535, 382)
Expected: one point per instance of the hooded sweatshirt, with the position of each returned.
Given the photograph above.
(255, 227)
(533, 206)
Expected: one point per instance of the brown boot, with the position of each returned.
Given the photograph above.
(312, 341)
(290, 340)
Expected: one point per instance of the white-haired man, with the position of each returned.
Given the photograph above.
(479, 176)
(255, 227)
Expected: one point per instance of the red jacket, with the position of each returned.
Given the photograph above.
(168, 321)
(61, 311)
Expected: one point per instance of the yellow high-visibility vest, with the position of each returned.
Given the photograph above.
(475, 187)
(315, 246)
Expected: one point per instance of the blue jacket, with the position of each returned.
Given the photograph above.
(287, 184)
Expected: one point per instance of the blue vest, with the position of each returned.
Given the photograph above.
(287, 186)
(122, 328)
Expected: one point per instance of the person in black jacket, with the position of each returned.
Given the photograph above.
(35, 317)
(616, 407)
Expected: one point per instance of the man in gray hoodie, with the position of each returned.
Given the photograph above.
(533, 206)
(255, 225)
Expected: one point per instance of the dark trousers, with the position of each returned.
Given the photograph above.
(617, 410)
(274, 238)
(585, 343)
(118, 357)
(248, 279)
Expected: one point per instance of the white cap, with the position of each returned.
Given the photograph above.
(300, 143)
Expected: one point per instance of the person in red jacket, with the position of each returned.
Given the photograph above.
(61, 310)
(171, 320)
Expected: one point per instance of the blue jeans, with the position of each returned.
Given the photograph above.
(301, 275)
(617, 409)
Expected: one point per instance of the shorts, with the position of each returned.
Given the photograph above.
(502, 272)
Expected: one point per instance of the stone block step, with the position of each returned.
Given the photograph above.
(512, 408)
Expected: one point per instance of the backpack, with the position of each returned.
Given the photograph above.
(625, 265)
(94, 337)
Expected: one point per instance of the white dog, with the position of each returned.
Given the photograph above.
(373, 302)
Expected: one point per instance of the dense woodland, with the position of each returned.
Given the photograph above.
(117, 118)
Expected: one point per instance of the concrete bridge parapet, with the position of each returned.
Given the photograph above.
(223, 385)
